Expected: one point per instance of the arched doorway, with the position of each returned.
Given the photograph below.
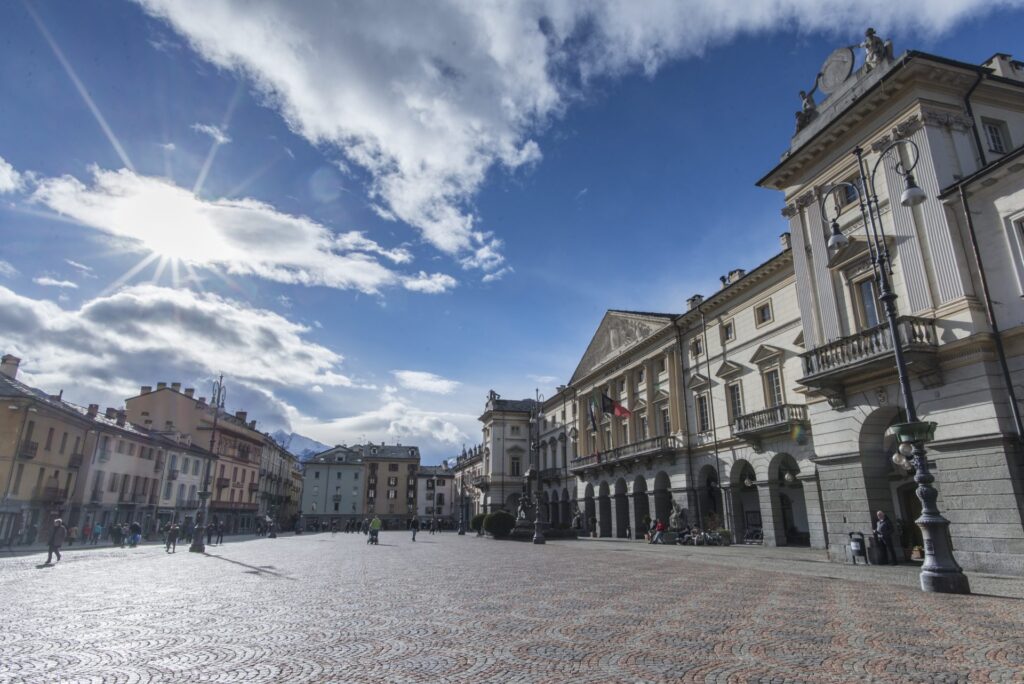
(512, 503)
(662, 496)
(888, 487)
(566, 507)
(589, 510)
(621, 509)
(746, 502)
(709, 496)
(791, 528)
(641, 507)
(553, 513)
(604, 510)
(542, 504)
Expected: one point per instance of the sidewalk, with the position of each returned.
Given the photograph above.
(809, 562)
(42, 548)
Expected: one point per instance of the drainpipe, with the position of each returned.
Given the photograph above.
(689, 449)
(982, 161)
(991, 315)
(711, 408)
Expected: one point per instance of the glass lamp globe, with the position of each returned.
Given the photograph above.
(912, 195)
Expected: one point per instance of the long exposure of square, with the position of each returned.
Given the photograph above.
(547, 341)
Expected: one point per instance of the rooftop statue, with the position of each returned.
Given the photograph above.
(876, 50)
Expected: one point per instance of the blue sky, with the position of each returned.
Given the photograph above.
(402, 206)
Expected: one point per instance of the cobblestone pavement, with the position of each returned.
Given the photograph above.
(329, 608)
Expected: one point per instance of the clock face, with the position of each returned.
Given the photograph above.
(836, 69)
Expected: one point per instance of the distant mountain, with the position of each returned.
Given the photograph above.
(301, 446)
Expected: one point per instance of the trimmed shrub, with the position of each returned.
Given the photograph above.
(726, 536)
(477, 521)
(499, 523)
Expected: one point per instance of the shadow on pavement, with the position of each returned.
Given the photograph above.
(255, 570)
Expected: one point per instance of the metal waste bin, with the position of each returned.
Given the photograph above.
(858, 547)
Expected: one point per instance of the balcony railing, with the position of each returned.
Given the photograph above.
(549, 474)
(254, 486)
(103, 456)
(480, 481)
(28, 450)
(158, 465)
(663, 445)
(336, 498)
(850, 355)
(96, 496)
(75, 461)
(223, 482)
(51, 494)
(187, 504)
(777, 419)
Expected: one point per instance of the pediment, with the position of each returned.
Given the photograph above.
(729, 369)
(765, 354)
(618, 332)
(698, 382)
(799, 341)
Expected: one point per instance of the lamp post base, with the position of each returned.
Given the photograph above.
(940, 573)
(197, 547)
(538, 533)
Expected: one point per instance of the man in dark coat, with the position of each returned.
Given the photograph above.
(172, 538)
(883, 537)
(57, 536)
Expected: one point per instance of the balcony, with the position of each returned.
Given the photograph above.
(781, 419)
(139, 499)
(235, 505)
(663, 446)
(254, 486)
(28, 450)
(223, 482)
(96, 496)
(103, 456)
(158, 465)
(172, 474)
(51, 494)
(336, 498)
(480, 481)
(550, 474)
(829, 367)
(75, 461)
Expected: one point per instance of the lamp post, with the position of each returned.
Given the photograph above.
(217, 401)
(462, 503)
(940, 572)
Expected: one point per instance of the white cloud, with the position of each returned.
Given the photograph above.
(111, 345)
(497, 275)
(433, 283)
(7, 270)
(87, 271)
(430, 98)
(243, 236)
(421, 381)
(395, 419)
(167, 147)
(217, 134)
(46, 281)
(10, 179)
(357, 241)
(543, 379)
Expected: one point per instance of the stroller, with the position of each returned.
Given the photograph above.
(372, 539)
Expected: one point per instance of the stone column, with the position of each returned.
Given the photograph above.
(815, 516)
(771, 514)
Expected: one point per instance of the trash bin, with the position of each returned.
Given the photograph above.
(858, 547)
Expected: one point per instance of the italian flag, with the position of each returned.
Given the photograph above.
(609, 405)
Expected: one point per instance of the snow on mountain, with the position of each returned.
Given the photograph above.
(301, 446)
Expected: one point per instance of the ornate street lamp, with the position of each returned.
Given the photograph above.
(462, 502)
(217, 401)
(940, 572)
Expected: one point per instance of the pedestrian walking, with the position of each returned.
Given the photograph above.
(135, 532)
(172, 538)
(209, 533)
(57, 536)
(87, 532)
(220, 533)
(414, 525)
(883, 539)
(97, 533)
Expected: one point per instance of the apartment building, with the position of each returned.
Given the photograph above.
(333, 487)
(390, 484)
(436, 495)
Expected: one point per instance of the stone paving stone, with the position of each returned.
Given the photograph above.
(329, 608)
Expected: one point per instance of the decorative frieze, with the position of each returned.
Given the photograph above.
(902, 130)
(953, 121)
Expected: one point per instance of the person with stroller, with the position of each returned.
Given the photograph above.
(375, 526)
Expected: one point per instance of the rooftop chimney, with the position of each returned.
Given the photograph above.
(241, 415)
(694, 301)
(93, 410)
(9, 365)
(736, 274)
(189, 391)
(1006, 66)
(121, 418)
(146, 389)
(111, 412)
(161, 385)
(784, 241)
(202, 401)
(252, 424)
(176, 386)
